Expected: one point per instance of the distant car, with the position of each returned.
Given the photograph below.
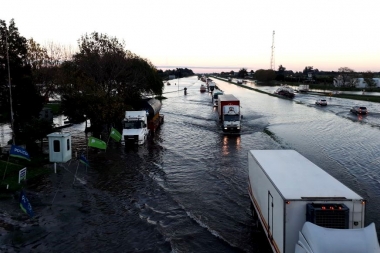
(359, 110)
(321, 102)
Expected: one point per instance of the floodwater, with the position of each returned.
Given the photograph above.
(186, 189)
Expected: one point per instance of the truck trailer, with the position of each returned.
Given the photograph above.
(211, 85)
(229, 113)
(297, 203)
(137, 125)
(215, 96)
(303, 88)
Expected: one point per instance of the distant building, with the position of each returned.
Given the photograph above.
(171, 77)
(362, 84)
(47, 114)
(357, 82)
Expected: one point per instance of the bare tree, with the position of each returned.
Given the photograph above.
(347, 77)
(59, 53)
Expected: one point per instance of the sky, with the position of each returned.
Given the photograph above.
(215, 35)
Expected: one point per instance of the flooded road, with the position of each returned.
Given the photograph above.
(186, 189)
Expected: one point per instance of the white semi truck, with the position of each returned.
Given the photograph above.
(229, 113)
(215, 96)
(303, 209)
(137, 125)
(135, 130)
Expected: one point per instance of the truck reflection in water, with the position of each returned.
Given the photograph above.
(230, 143)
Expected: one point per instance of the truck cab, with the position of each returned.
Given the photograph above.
(135, 130)
(229, 113)
(231, 118)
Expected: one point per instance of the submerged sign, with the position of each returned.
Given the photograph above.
(22, 175)
(25, 204)
(83, 160)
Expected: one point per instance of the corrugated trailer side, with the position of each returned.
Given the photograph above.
(268, 204)
(226, 99)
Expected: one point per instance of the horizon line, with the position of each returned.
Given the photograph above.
(200, 67)
(231, 68)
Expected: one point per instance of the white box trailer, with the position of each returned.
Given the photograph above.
(287, 190)
(303, 88)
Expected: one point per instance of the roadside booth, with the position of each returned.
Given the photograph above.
(60, 150)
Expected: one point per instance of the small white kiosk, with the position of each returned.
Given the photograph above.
(60, 150)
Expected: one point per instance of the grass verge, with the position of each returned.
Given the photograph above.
(9, 170)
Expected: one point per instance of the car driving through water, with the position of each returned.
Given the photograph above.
(359, 110)
(321, 102)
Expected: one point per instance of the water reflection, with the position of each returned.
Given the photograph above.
(186, 189)
(230, 143)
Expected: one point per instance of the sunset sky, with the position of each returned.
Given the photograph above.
(217, 34)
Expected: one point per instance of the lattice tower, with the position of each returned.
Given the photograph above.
(272, 65)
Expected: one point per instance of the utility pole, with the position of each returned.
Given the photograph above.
(272, 65)
(10, 89)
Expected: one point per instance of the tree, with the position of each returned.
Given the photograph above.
(26, 100)
(104, 79)
(44, 69)
(242, 72)
(307, 70)
(368, 79)
(265, 75)
(35, 129)
(58, 53)
(347, 77)
(281, 69)
(280, 73)
(179, 72)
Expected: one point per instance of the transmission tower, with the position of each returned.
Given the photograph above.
(272, 65)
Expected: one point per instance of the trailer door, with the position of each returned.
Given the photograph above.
(270, 216)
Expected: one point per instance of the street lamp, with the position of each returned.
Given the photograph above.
(10, 90)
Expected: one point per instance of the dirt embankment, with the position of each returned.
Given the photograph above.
(54, 202)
